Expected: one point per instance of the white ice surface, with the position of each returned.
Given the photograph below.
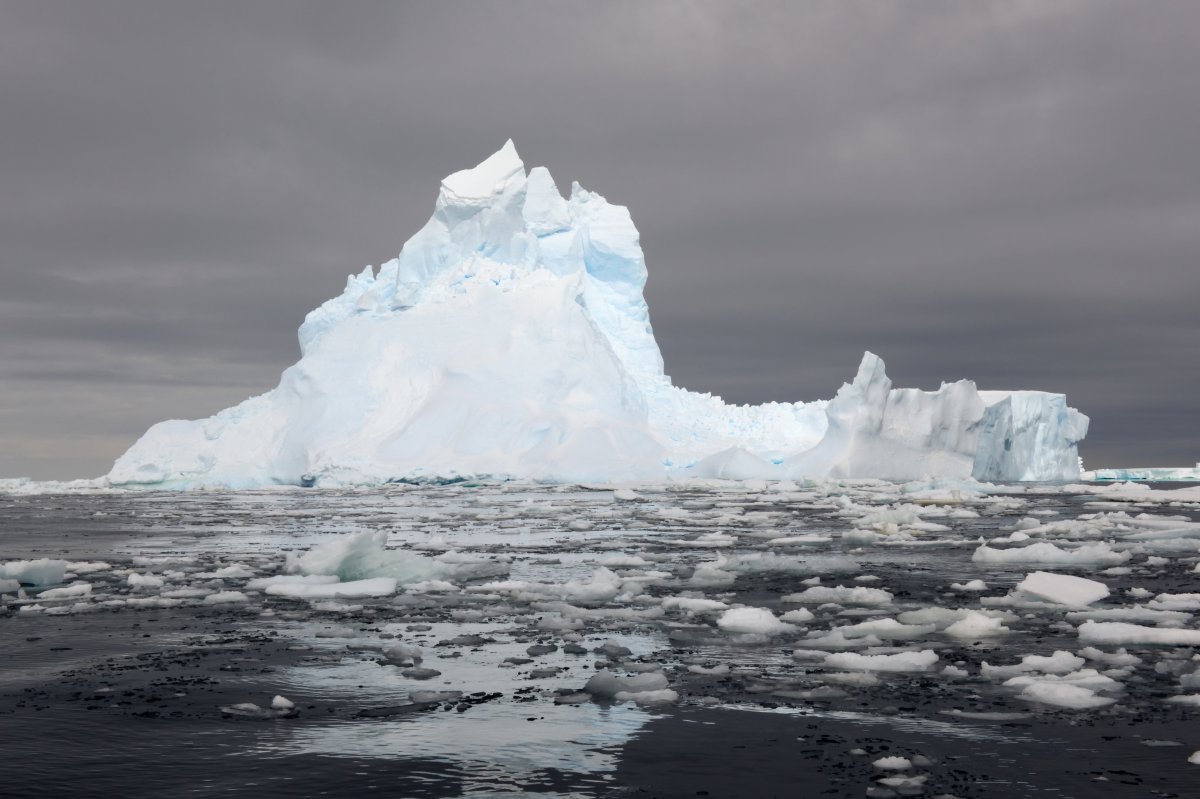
(1063, 589)
(1065, 695)
(1097, 553)
(755, 621)
(854, 595)
(43, 571)
(1116, 632)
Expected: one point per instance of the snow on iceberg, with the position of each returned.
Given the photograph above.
(511, 339)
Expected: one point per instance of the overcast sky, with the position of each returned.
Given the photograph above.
(1005, 191)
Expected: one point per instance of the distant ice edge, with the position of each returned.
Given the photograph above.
(511, 339)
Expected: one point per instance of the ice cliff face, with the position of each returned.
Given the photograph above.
(510, 338)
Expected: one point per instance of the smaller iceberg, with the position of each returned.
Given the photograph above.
(1165, 474)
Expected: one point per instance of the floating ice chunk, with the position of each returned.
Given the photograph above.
(976, 625)
(859, 538)
(261, 583)
(420, 673)
(401, 653)
(42, 571)
(9, 586)
(910, 661)
(1065, 695)
(186, 593)
(626, 495)
(1061, 662)
(436, 543)
(1045, 552)
(144, 581)
(88, 567)
(249, 710)
(944, 617)
(1194, 758)
(858, 679)
(432, 587)
(72, 591)
(152, 602)
(709, 540)
(800, 540)
(360, 556)
(234, 571)
(753, 621)
(797, 616)
(1115, 632)
(1135, 614)
(1190, 700)
(603, 586)
(885, 629)
(605, 684)
(613, 649)
(693, 605)
(1087, 678)
(226, 598)
(282, 703)
(660, 697)
(1117, 659)
(970, 585)
(365, 555)
(375, 586)
(907, 786)
(1063, 589)
(856, 595)
(1184, 602)
(626, 561)
(837, 640)
(712, 575)
(893, 763)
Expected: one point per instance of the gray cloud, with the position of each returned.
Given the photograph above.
(1006, 191)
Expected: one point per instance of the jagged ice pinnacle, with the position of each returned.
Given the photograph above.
(510, 338)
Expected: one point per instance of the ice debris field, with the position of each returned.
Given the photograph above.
(992, 614)
(510, 339)
(478, 503)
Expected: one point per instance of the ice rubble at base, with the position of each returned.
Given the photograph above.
(510, 338)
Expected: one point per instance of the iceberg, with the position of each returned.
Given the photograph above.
(510, 339)
(1164, 474)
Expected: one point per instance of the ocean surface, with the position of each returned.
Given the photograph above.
(848, 677)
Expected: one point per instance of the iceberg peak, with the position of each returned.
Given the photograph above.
(484, 181)
(510, 338)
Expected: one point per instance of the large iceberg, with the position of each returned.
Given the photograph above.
(510, 338)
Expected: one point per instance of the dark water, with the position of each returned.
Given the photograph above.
(128, 701)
